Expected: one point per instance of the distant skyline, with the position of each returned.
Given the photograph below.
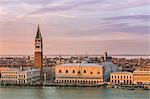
(75, 26)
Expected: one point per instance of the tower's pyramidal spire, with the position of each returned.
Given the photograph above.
(38, 34)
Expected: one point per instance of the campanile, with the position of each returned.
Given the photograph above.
(38, 50)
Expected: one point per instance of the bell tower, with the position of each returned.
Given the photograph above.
(38, 50)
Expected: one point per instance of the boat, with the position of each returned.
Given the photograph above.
(146, 87)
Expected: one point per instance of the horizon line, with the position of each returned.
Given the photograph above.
(79, 55)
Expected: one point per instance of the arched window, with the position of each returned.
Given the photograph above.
(130, 82)
(84, 71)
(59, 71)
(91, 72)
(124, 81)
(66, 71)
(118, 81)
(127, 82)
(79, 72)
(73, 71)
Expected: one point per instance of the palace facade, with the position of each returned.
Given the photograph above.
(142, 75)
(79, 73)
(121, 78)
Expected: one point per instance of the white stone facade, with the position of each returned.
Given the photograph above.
(17, 76)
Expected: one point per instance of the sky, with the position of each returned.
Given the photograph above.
(75, 26)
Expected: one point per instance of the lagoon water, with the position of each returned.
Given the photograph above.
(72, 93)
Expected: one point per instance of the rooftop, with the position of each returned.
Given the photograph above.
(123, 72)
(80, 64)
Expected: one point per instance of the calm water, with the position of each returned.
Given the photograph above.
(72, 93)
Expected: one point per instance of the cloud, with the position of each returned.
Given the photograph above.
(143, 30)
(137, 17)
(68, 6)
(103, 5)
(91, 20)
(137, 24)
(116, 5)
(63, 15)
(30, 2)
(2, 13)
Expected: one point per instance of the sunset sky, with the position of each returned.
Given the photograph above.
(75, 26)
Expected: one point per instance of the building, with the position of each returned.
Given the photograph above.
(105, 56)
(19, 76)
(142, 75)
(121, 78)
(78, 73)
(38, 50)
(108, 68)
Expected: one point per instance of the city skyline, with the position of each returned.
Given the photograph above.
(75, 27)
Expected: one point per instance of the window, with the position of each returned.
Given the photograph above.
(66, 71)
(124, 81)
(84, 71)
(98, 72)
(127, 82)
(59, 71)
(79, 72)
(91, 72)
(37, 46)
(73, 71)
